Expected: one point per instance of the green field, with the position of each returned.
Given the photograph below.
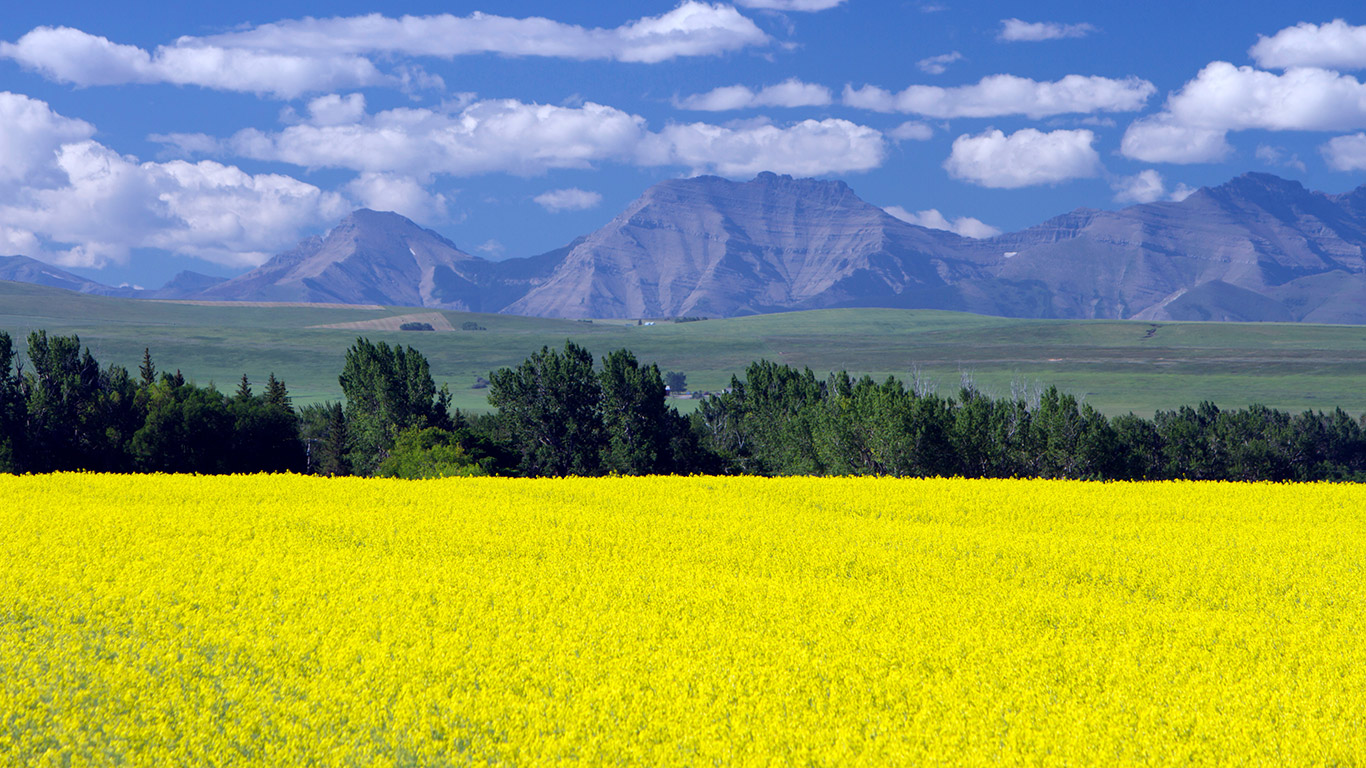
(1117, 366)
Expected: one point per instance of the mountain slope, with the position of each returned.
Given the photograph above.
(1259, 235)
(708, 246)
(369, 258)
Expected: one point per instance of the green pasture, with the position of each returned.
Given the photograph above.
(1117, 366)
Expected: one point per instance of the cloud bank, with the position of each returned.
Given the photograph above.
(1195, 121)
(510, 136)
(72, 200)
(289, 58)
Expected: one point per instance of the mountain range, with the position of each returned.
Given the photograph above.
(1256, 248)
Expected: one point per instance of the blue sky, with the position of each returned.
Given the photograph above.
(152, 138)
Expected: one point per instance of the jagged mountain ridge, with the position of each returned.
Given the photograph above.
(1256, 248)
(708, 246)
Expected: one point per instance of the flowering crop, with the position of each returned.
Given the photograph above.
(285, 620)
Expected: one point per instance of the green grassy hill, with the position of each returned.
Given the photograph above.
(1117, 366)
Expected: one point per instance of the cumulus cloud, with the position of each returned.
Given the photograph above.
(30, 135)
(1025, 158)
(1335, 45)
(289, 58)
(808, 148)
(938, 65)
(1223, 97)
(789, 93)
(401, 194)
(791, 5)
(1161, 139)
(999, 95)
(1346, 153)
(72, 200)
(1016, 31)
(572, 199)
(527, 139)
(911, 131)
(933, 219)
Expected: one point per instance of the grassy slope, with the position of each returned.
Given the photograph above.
(1117, 366)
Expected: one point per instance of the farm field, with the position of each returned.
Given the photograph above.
(289, 620)
(1117, 366)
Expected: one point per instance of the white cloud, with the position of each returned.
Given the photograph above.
(1025, 158)
(71, 56)
(789, 93)
(911, 131)
(1226, 97)
(1144, 187)
(66, 198)
(933, 219)
(1335, 45)
(401, 194)
(1346, 153)
(572, 199)
(791, 5)
(808, 148)
(1015, 30)
(1160, 139)
(691, 29)
(1223, 98)
(999, 95)
(527, 139)
(289, 58)
(938, 65)
(30, 135)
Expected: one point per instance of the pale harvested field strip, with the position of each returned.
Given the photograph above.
(301, 304)
(437, 320)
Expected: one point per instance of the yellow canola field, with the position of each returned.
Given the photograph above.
(286, 621)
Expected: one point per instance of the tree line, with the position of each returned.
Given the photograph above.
(560, 412)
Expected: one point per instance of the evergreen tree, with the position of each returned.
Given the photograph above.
(243, 390)
(276, 395)
(149, 371)
(335, 445)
